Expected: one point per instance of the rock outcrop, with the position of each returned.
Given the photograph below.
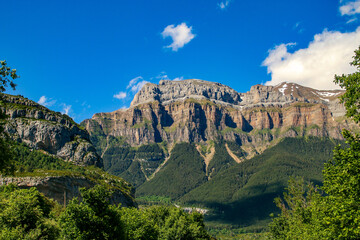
(169, 91)
(43, 129)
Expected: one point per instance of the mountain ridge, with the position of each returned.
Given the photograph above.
(198, 111)
(168, 91)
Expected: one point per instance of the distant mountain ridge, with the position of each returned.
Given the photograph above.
(199, 111)
(168, 91)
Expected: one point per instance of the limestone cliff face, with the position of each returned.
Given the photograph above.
(46, 130)
(198, 111)
(65, 188)
(169, 91)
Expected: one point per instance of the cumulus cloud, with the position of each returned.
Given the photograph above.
(181, 35)
(224, 4)
(350, 8)
(66, 109)
(136, 84)
(46, 102)
(120, 95)
(315, 66)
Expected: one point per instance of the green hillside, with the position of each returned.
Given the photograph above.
(240, 194)
(133, 164)
(28, 162)
(184, 171)
(244, 193)
(220, 161)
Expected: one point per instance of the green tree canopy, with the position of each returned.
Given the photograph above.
(94, 218)
(7, 77)
(351, 83)
(25, 214)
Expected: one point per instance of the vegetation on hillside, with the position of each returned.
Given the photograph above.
(220, 161)
(239, 194)
(184, 171)
(134, 164)
(243, 194)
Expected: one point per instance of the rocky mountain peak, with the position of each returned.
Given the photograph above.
(170, 91)
(197, 111)
(167, 92)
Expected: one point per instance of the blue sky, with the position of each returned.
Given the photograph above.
(84, 57)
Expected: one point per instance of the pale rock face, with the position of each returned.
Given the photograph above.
(169, 91)
(46, 130)
(198, 111)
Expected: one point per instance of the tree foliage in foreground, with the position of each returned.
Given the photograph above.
(336, 213)
(27, 214)
(7, 77)
(351, 83)
(94, 218)
(342, 186)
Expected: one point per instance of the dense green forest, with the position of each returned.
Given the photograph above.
(240, 194)
(243, 194)
(135, 164)
(184, 171)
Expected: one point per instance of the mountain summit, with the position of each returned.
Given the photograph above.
(199, 111)
(168, 91)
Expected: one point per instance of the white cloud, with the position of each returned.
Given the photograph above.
(178, 79)
(136, 84)
(224, 4)
(350, 8)
(163, 76)
(42, 100)
(133, 81)
(46, 102)
(120, 95)
(315, 66)
(351, 20)
(66, 109)
(181, 35)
